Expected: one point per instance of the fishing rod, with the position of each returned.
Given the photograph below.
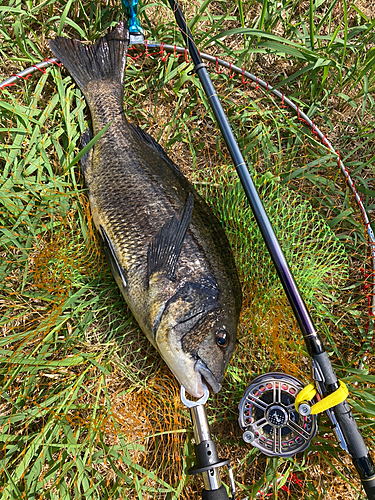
(326, 382)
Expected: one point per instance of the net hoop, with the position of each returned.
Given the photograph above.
(285, 102)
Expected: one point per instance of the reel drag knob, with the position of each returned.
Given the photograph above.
(269, 420)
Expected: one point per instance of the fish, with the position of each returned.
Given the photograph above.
(166, 249)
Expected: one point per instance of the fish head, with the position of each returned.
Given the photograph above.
(196, 337)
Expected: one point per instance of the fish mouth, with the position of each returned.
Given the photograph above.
(207, 376)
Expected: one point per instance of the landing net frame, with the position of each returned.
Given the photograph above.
(164, 50)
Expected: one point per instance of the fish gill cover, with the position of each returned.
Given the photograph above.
(88, 408)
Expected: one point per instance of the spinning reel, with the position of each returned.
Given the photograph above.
(269, 419)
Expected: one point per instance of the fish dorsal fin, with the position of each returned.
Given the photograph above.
(117, 270)
(148, 139)
(165, 248)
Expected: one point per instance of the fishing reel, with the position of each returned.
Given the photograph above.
(269, 419)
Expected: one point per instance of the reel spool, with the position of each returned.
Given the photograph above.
(269, 420)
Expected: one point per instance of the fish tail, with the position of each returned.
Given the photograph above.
(105, 60)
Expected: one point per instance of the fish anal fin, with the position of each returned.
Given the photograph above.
(165, 248)
(86, 159)
(117, 269)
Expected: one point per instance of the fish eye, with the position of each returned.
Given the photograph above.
(222, 338)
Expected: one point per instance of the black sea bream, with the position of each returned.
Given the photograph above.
(167, 251)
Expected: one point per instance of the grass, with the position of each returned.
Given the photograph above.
(88, 409)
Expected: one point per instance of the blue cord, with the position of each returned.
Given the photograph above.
(131, 7)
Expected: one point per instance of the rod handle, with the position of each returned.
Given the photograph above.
(220, 494)
(369, 486)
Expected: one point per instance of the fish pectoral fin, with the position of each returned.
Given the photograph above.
(86, 159)
(165, 248)
(117, 269)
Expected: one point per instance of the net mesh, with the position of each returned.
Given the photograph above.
(88, 408)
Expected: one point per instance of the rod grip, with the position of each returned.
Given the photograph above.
(220, 494)
(354, 440)
(348, 426)
(369, 486)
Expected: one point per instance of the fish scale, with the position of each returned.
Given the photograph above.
(167, 251)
